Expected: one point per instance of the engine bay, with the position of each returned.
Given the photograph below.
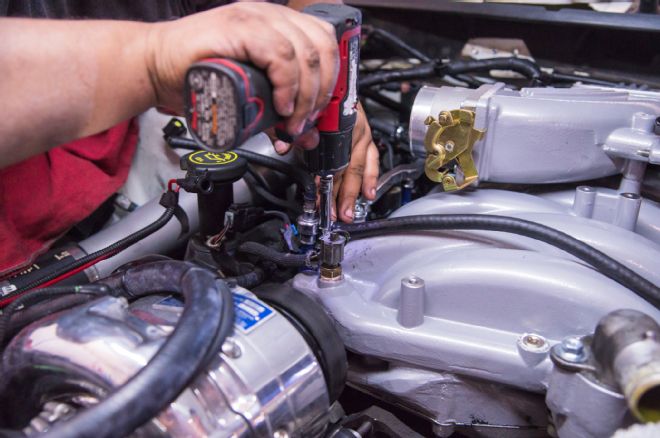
(503, 283)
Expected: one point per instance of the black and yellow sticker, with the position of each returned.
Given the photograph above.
(212, 158)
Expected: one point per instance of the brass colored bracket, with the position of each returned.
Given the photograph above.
(451, 137)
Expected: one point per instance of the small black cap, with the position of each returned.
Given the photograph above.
(174, 128)
(219, 167)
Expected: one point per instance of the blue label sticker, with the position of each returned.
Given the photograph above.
(249, 313)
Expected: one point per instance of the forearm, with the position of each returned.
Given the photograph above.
(63, 80)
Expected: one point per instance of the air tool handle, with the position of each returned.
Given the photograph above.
(227, 102)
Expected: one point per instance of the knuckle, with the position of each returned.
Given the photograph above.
(356, 170)
(331, 49)
(312, 58)
(285, 51)
(240, 14)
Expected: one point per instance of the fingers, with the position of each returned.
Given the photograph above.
(362, 172)
(324, 34)
(370, 179)
(298, 52)
(309, 67)
(281, 147)
(317, 53)
(270, 48)
(300, 56)
(352, 181)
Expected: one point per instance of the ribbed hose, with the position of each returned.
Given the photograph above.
(169, 198)
(36, 311)
(206, 320)
(525, 67)
(250, 280)
(419, 72)
(285, 259)
(599, 260)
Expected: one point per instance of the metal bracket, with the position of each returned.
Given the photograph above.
(451, 137)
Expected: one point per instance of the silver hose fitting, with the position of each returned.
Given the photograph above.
(331, 255)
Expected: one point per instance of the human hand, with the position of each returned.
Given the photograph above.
(298, 52)
(361, 175)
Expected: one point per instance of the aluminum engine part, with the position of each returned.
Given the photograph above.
(494, 304)
(616, 376)
(546, 135)
(265, 382)
(627, 345)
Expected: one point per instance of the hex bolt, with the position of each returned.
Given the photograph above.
(573, 345)
(360, 212)
(571, 349)
(411, 302)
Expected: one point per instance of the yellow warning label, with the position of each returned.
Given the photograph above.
(212, 158)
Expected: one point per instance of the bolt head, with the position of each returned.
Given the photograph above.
(533, 343)
(533, 340)
(449, 146)
(231, 348)
(443, 118)
(573, 345)
(571, 349)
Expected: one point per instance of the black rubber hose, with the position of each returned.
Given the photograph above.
(274, 200)
(204, 323)
(382, 100)
(182, 143)
(599, 260)
(301, 176)
(250, 280)
(397, 43)
(422, 71)
(36, 311)
(285, 259)
(169, 199)
(525, 67)
(405, 49)
(42, 295)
